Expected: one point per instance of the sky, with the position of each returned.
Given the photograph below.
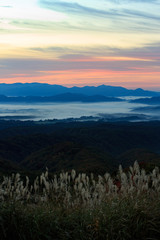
(79, 42)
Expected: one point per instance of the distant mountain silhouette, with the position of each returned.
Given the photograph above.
(43, 89)
(150, 109)
(150, 101)
(66, 97)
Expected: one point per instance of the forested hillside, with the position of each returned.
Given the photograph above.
(84, 146)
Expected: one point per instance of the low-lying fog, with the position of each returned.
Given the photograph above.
(76, 110)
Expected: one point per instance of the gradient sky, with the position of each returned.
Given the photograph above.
(79, 42)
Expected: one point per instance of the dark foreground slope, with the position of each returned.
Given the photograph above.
(84, 146)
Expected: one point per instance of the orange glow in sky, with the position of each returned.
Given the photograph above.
(77, 43)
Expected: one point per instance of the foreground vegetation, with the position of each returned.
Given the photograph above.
(77, 206)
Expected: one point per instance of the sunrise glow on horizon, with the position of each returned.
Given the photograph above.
(78, 42)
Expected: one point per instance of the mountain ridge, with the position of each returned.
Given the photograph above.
(65, 97)
(45, 89)
(149, 101)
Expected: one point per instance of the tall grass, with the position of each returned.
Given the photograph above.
(77, 206)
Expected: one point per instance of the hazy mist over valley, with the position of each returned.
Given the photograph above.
(51, 111)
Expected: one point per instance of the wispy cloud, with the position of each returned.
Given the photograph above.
(141, 14)
(134, 1)
(121, 18)
(76, 8)
(8, 6)
(104, 11)
(51, 49)
(80, 62)
(149, 51)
